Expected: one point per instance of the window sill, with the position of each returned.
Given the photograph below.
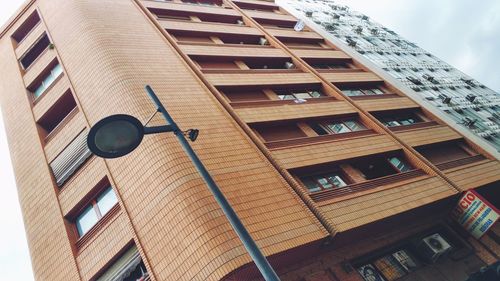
(317, 139)
(363, 186)
(82, 241)
(270, 103)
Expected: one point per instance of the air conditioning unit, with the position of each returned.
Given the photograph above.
(289, 65)
(263, 41)
(434, 246)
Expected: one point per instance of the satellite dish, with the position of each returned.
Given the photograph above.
(299, 26)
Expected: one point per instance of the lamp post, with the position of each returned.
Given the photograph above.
(118, 135)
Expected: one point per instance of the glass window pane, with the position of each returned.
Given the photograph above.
(49, 80)
(315, 94)
(39, 91)
(338, 128)
(354, 126)
(337, 180)
(311, 185)
(352, 93)
(302, 95)
(286, 97)
(377, 91)
(57, 70)
(86, 220)
(106, 201)
(393, 123)
(324, 183)
(400, 164)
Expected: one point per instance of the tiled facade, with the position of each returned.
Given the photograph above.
(278, 119)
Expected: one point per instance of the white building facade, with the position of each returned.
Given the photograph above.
(463, 100)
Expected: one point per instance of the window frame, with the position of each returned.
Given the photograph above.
(93, 204)
(294, 93)
(314, 178)
(326, 124)
(42, 83)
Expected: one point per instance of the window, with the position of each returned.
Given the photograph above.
(30, 23)
(362, 92)
(392, 266)
(95, 211)
(340, 65)
(47, 81)
(294, 95)
(57, 113)
(399, 164)
(337, 127)
(203, 2)
(400, 120)
(324, 182)
(70, 159)
(35, 51)
(128, 267)
(380, 167)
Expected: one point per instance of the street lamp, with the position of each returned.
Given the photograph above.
(118, 135)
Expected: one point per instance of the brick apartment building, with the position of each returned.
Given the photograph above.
(336, 173)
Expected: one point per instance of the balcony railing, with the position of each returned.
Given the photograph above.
(366, 185)
(264, 103)
(316, 139)
(369, 97)
(460, 162)
(414, 126)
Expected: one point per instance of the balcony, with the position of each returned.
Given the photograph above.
(415, 126)
(428, 135)
(261, 78)
(155, 6)
(256, 4)
(334, 150)
(316, 139)
(384, 102)
(320, 54)
(391, 198)
(290, 33)
(233, 51)
(288, 110)
(366, 185)
(340, 76)
(269, 16)
(471, 172)
(210, 28)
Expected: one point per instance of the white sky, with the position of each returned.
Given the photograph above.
(464, 33)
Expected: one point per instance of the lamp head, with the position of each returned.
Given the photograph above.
(115, 136)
